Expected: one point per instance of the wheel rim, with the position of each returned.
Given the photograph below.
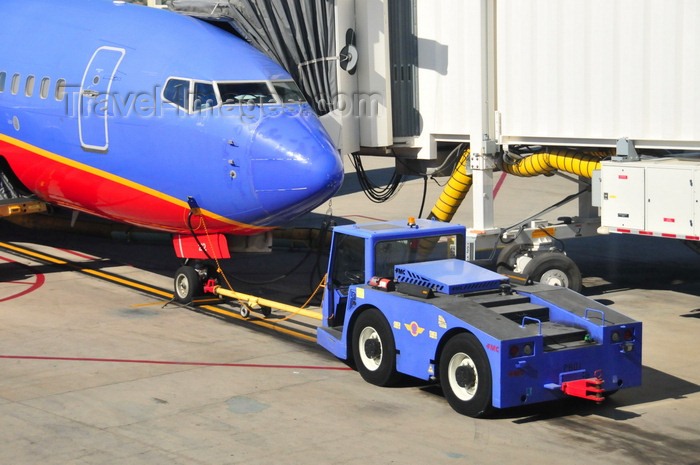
(370, 345)
(463, 376)
(555, 278)
(182, 285)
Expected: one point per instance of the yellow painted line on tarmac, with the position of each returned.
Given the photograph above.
(99, 274)
(259, 323)
(152, 290)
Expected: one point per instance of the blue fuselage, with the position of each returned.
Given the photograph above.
(126, 112)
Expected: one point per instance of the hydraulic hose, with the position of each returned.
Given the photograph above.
(455, 191)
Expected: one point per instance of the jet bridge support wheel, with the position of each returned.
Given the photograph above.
(551, 267)
(556, 269)
(465, 375)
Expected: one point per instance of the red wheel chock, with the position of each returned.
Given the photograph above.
(590, 388)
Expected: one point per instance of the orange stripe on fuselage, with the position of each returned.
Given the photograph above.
(130, 202)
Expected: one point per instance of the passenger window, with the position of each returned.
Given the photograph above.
(14, 86)
(44, 87)
(60, 89)
(204, 96)
(2, 81)
(29, 86)
(177, 91)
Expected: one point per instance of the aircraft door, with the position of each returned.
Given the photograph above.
(95, 101)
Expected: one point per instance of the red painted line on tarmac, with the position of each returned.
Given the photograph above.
(40, 279)
(163, 362)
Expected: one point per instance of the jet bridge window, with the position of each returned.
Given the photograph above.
(177, 91)
(245, 93)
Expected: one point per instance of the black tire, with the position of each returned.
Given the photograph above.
(556, 269)
(465, 376)
(187, 284)
(505, 263)
(265, 311)
(373, 348)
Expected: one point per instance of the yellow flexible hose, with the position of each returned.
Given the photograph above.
(455, 191)
(562, 159)
(578, 163)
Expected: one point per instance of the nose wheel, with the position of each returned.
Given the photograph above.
(189, 282)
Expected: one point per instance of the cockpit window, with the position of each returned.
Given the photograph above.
(209, 95)
(177, 91)
(288, 92)
(235, 93)
(204, 96)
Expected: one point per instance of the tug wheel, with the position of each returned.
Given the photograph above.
(465, 375)
(187, 284)
(373, 348)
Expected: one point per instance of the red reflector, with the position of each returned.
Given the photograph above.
(622, 176)
(669, 220)
(514, 351)
(693, 238)
(628, 335)
(623, 230)
(646, 233)
(667, 235)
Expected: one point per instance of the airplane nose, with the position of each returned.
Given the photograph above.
(295, 166)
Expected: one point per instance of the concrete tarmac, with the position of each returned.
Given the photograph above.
(96, 372)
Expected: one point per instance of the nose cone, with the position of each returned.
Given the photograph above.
(294, 165)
